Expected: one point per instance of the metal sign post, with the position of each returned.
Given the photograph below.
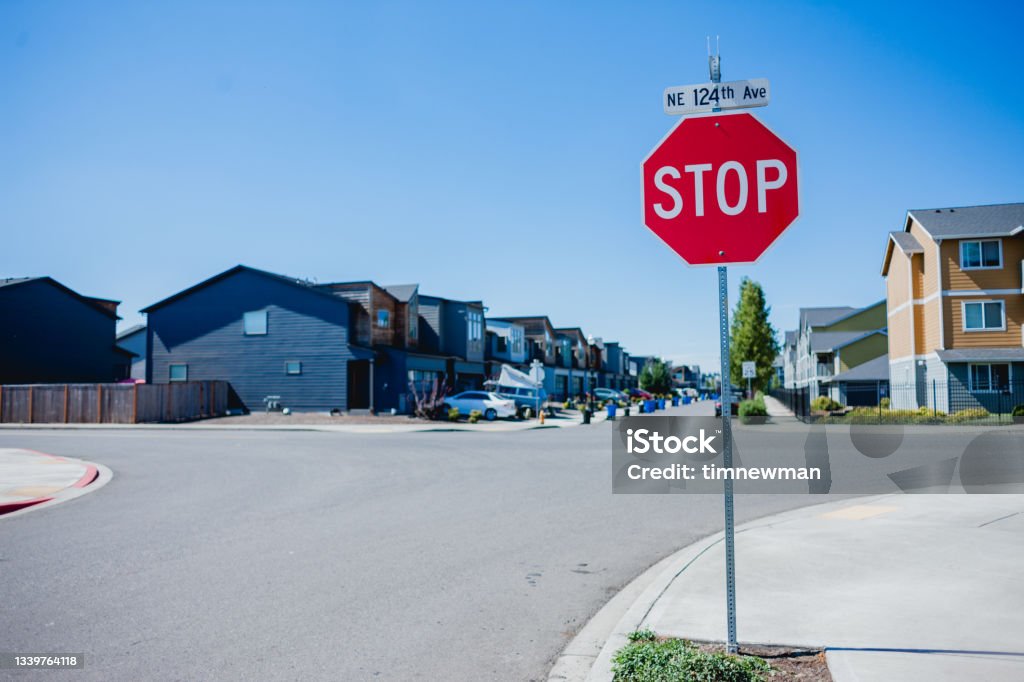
(724, 227)
(715, 71)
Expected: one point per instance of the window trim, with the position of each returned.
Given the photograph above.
(266, 323)
(289, 362)
(170, 372)
(970, 376)
(963, 316)
(979, 242)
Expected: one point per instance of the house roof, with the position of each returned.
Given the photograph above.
(105, 305)
(817, 317)
(823, 342)
(293, 281)
(130, 331)
(993, 220)
(876, 369)
(907, 242)
(1011, 354)
(403, 292)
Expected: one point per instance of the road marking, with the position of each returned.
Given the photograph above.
(858, 512)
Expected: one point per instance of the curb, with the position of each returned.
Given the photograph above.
(95, 477)
(588, 656)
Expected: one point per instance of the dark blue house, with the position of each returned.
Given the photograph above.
(51, 334)
(264, 333)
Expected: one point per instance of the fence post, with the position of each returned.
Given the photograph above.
(935, 402)
(135, 403)
(167, 404)
(31, 404)
(65, 403)
(1, 403)
(99, 403)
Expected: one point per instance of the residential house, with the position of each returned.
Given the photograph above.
(506, 344)
(540, 336)
(572, 363)
(833, 340)
(614, 372)
(789, 360)
(133, 340)
(956, 306)
(455, 330)
(52, 334)
(266, 334)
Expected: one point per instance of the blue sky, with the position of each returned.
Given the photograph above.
(485, 150)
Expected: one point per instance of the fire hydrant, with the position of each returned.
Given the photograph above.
(541, 415)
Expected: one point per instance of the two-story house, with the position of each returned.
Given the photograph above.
(833, 341)
(52, 334)
(540, 336)
(956, 305)
(571, 363)
(506, 344)
(266, 334)
(455, 330)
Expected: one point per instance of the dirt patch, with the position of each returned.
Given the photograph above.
(805, 665)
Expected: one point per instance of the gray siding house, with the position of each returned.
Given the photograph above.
(264, 333)
(133, 340)
(51, 334)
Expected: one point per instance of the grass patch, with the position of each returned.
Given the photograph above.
(647, 659)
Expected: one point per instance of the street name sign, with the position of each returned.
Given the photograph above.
(693, 99)
(720, 189)
(749, 370)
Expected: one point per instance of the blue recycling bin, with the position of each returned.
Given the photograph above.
(686, 400)
(675, 401)
(661, 403)
(649, 405)
(611, 410)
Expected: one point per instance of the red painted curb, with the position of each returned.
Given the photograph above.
(90, 475)
(9, 507)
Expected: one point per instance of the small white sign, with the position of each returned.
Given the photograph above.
(749, 370)
(691, 99)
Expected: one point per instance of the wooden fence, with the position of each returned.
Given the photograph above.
(112, 403)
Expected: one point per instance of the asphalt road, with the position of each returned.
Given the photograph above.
(304, 555)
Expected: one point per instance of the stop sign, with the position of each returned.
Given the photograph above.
(720, 189)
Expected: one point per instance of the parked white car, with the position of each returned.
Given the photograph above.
(491, 405)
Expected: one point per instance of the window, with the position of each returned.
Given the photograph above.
(255, 323)
(414, 320)
(517, 340)
(981, 254)
(983, 316)
(384, 319)
(178, 373)
(502, 344)
(995, 377)
(476, 325)
(292, 367)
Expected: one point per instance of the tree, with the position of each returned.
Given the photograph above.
(656, 376)
(752, 337)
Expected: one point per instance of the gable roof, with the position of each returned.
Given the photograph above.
(905, 242)
(876, 369)
(403, 292)
(291, 281)
(104, 305)
(131, 331)
(817, 317)
(993, 220)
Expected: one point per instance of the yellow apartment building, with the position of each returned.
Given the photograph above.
(955, 300)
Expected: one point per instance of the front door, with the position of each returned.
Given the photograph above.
(359, 384)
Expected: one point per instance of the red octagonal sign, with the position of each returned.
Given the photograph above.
(720, 189)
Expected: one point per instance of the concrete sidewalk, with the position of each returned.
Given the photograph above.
(776, 408)
(29, 478)
(898, 587)
(570, 419)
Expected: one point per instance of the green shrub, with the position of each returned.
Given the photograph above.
(645, 635)
(645, 659)
(885, 403)
(453, 414)
(474, 416)
(968, 414)
(753, 408)
(825, 404)
(1018, 411)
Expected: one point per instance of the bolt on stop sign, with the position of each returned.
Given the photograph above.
(718, 190)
